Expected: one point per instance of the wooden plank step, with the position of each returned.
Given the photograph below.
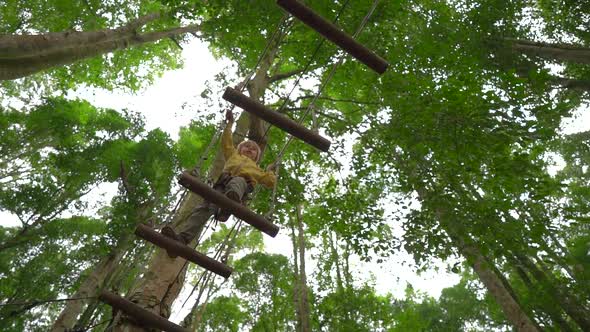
(209, 194)
(184, 251)
(334, 34)
(141, 315)
(252, 106)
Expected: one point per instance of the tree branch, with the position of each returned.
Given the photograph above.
(124, 179)
(154, 36)
(359, 102)
(569, 83)
(563, 46)
(329, 116)
(30, 46)
(141, 21)
(282, 76)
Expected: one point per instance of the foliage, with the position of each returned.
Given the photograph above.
(461, 126)
(129, 69)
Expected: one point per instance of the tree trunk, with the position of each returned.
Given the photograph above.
(549, 308)
(31, 54)
(259, 83)
(575, 310)
(336, 261)
(555, 52)
(296, 277)
(91, 286)
(487, 274)
(305, 311)
(509, 304)
(347, 274)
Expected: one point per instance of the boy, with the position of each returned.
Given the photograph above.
(240, 174)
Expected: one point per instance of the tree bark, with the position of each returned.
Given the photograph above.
(27, 54)
(305, 311)
(296, 276)
(510, 305)
(569, 83)
(25, 46)
(575, 310)
(91, 286)
(487, 274)
(557, 52)
(554, 313)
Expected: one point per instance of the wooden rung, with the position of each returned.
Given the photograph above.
(334, 34)
(141, 315)
(182, 250)
(259, 222)
(252, 106)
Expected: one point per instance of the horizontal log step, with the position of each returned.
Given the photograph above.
(240, 211)
(184, 251)
(141, 315)
(285, 123)
(334, 34)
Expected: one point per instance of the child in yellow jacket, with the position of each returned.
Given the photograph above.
(240, 175)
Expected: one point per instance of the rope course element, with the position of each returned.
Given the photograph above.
(311, 105)
(196, 171)
(245, 83)
(145, 317)
(233, 233)
(334, 34)
(235, 208)
(308, 64)
(182, 250)
(190, 181)
(277, 118)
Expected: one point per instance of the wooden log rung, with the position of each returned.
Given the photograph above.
(141, 315)
(209, 194)
(334, 34)
(182, 250)
(252, 106)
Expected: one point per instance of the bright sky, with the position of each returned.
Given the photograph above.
(161, 105)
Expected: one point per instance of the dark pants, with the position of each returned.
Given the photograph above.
(202, 212)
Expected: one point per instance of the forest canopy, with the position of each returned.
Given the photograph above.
(467, 159)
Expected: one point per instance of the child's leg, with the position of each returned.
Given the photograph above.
(236, 188)
(196, 221)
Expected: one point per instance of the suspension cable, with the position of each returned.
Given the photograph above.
(197, 169)
(206, 274)
(311, 105)
(329, 77)
(242, 86)
(307, 65)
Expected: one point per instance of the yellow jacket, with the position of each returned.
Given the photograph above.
(238, 165)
